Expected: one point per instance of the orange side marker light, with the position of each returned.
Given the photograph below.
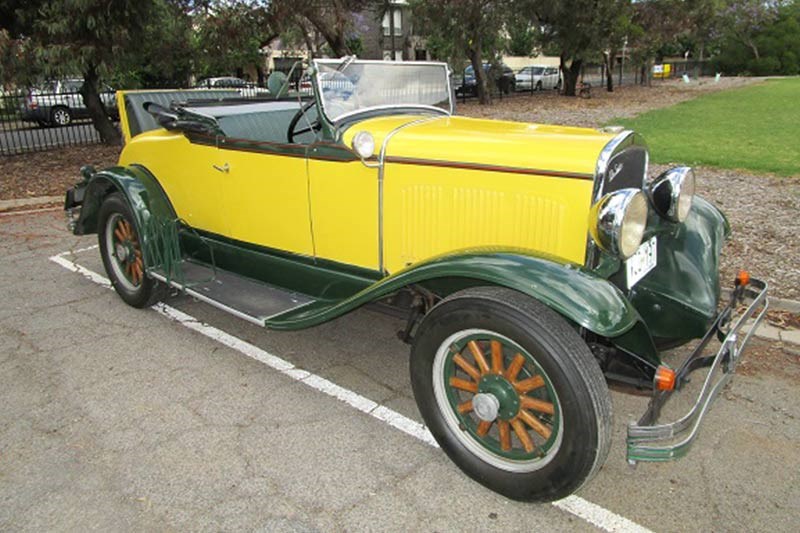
(665, 378)
(743, 277)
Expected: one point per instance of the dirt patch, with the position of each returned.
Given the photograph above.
(762, 211)
(772, 358)
(50, 173)
(548, 107)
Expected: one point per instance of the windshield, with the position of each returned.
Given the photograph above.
(537, 70)
(365, 85)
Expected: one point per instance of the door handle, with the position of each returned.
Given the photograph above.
(224, 168)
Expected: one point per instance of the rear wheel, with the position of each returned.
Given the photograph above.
(511, 393)
(121, 250)
(538, 85)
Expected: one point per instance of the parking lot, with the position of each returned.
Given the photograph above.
(185, 418)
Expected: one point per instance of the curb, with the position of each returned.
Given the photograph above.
(8, 205)
(780, 304)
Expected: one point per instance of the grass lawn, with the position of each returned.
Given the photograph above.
(755, 128)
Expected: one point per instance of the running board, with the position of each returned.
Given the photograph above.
(245, 298)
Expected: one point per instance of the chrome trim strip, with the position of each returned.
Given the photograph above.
(388, 107)
(641, 438)
(235, 312)
(381, 171)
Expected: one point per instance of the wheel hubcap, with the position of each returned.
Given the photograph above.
(486, 406)
(497, 400)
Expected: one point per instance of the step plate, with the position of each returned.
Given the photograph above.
(246, 298)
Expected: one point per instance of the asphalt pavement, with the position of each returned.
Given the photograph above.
(120, 419)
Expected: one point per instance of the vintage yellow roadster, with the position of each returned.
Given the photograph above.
(534, 263)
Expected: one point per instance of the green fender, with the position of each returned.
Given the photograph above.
(155, 217)
(584, 298)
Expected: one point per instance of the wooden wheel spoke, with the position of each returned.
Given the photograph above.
(497, 357)
(522, 434)
(129, 269)
(128, 229)
(535, 424)
(119, 234)
(463, 384)
(465, 407)
(464, 365)
(513, 369)
(537, 405)
(484, 427)
(137, 273)
(527, 385)
(504, 429)
(480, 359)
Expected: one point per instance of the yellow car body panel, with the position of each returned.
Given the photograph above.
(185, 173)
(344, 211)
(451, 183)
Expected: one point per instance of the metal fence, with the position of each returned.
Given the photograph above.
(34, 121)
(593, 77)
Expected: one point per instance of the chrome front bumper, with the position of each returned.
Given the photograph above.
(648, 441)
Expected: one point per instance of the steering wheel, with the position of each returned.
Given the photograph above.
(315, 126)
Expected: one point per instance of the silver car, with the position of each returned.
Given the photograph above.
(537, 78)
(58, 103)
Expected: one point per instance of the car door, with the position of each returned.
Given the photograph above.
(264, 180)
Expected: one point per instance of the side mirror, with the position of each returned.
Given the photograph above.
(277, 84)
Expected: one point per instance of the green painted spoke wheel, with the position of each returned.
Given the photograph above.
(497, 399)
(121, 250)
(512, 393)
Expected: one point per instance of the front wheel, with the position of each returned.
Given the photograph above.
(121, 250)
(511, 393)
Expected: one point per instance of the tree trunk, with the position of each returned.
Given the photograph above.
(608, 59)
(474, 54)
(109, 134)
(571, 74)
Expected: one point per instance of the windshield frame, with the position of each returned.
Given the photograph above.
(319, 95)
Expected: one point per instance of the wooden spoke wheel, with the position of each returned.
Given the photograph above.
(126, 251)
(121, 250)
(511, 393)
(497, 399)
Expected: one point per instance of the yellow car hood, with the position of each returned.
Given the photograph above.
(489, 144)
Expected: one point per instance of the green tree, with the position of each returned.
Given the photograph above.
(231, 35)
(578, 29)
(777, 43)
(332, 19)
(464, 27)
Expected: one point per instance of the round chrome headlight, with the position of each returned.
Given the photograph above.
(672, 193)
(617, 222)
(364, 144)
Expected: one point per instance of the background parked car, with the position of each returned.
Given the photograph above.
(246, 89)
(58, 103)
(537, 78)
(502, 75)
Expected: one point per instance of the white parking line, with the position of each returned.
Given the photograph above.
(575, 505)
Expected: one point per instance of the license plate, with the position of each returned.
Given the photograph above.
(641, 262)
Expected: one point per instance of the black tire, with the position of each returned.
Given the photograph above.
(581, 398)
(538, 85)
(135, 290)
(60, 116)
